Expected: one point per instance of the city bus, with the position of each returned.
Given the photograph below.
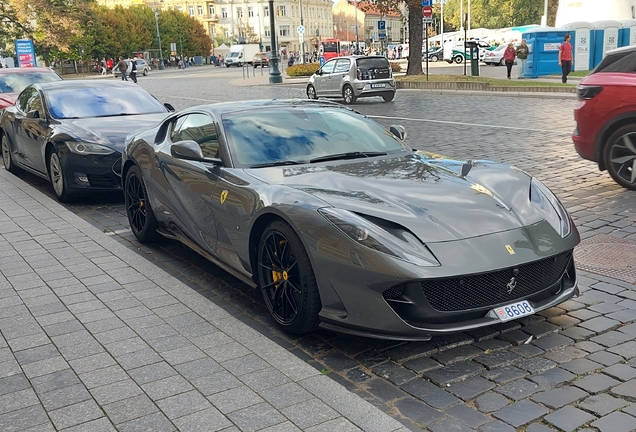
(330, 48)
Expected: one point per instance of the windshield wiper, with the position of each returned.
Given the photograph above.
(114, 115)
(278, 163)
(348, 155)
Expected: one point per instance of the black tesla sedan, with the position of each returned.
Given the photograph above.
(340, 224)
(72, 132)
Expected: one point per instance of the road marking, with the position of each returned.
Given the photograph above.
(471, 124)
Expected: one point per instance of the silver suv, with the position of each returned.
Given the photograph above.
(353, 77)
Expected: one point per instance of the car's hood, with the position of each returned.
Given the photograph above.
(108, 131)
(426, 195)
(7, 99)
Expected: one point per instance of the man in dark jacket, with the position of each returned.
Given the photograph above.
(133, 70)
(122, 66)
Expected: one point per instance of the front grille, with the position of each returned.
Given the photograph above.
(394, 293)
(489, 289)
(101, 181)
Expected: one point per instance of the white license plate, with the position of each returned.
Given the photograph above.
(514, 311)
(378, 85)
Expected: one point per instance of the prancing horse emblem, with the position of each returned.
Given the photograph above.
(512, 283)
(223, 196)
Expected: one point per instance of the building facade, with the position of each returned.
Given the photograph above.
(344, 17)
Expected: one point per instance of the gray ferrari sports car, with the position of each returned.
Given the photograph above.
(341, 225)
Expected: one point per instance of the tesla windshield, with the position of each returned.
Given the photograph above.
(301, 135)
(101, 102)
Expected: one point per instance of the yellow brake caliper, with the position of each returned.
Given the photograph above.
(276, 275)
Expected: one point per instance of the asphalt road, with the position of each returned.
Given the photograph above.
(578, 369)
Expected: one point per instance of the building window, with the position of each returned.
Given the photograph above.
(199, 10)
(223, 12)
(280, 11)
(267, 32)
(227, 33)
(180, 8)
(266, 11)
(250, 11)
(284, 30)
(212, 30)
(239, 12)
(191, 10)
(211, 9)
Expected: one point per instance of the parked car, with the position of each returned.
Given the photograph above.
(434, 54)
(340, 224)
(142, 67)
(14, 80)
(262, 59)
(72, 132)
(353, 77)
(606, 116)
(495, 57)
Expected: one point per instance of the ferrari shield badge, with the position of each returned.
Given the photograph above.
(223, 196)
(509, 248)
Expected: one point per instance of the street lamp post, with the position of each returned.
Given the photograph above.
(302, 44)
(161, 65)
(355, 4)
(274, 72)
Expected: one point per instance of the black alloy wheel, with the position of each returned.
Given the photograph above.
(311, 92)
(620, 156)
(287, 280)
(140, 215)
(6, 157)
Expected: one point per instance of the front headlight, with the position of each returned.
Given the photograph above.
(85, 148)
(398, 243)
(551, 207)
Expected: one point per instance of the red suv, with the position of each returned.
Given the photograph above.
(606, 116)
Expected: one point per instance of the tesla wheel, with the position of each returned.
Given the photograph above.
(56, 174)
(620, 156)
(287, 280)
(311, 92)
(348, 95)
(140, 215)
(388, 97)
(459, 59)
(6, 157)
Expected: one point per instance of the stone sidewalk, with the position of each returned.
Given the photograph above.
(95, 338)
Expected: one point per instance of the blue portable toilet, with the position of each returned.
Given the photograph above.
(582, 43)
(627, 33)
(605, 39)
(544, 51)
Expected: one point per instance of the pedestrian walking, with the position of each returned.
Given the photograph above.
(109, 65)
(522, 55)
(133, 70)
(509, 57)
(122, 67)
(565, 58)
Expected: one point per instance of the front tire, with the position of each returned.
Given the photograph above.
(502, 62)
(434, 58)
(57, 177)
(287, 279)
(348, 95)
(145, 72)
(619, 156)
(6, 157)
(141, 218)
(311, 92)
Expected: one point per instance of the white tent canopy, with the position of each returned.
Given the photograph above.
(222, 49)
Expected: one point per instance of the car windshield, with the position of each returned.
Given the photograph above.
(101, 102)
(16, 82)
(299, 134)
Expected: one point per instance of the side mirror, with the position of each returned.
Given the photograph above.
(170, 107)
(466, 167)
(190, 150)
(398, 131)
(33, 114)
(319, 72)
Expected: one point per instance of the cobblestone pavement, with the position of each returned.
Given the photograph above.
(572, 367)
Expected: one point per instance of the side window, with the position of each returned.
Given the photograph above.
(328, 67)
(174, 129)
(343, 65)
(25, 96)
(200, 128)
(35, 103)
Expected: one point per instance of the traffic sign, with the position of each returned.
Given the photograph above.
(427, 11)
(382, 34)
(381, 25)
(301, 38)
(300, 29)
(428, 20)
(321, 60)
(427, 3)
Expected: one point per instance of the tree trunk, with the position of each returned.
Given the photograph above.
(415, 38)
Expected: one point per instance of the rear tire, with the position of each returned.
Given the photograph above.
(619, 156)
(458, 59)
(348, 95)
(7, 160)
(141, 218)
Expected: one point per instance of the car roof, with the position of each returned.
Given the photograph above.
(81, 84)
(5, 71)
(222, 108)
(621, 50)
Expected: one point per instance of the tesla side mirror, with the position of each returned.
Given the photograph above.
(398, 131)
(169, 107)
(190, 150)
(33, 114)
